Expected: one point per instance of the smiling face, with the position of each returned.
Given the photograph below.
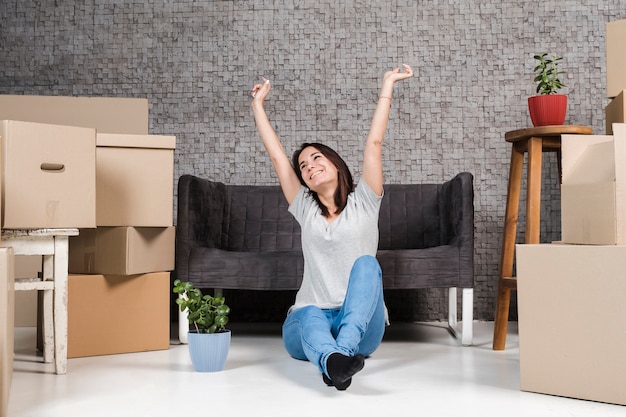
(316, 169)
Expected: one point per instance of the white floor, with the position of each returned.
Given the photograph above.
(419, 370)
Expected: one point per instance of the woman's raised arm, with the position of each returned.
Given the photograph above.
(373, 155)
(289, 182)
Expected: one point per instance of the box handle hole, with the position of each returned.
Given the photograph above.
(50, 167)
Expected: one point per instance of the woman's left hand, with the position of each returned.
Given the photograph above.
(260, 91)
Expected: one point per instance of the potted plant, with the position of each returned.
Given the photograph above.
(548, 107)
(209, 340)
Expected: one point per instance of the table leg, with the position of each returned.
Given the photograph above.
(47, 307)
(508, 248)
(60, 303)
(533, 197)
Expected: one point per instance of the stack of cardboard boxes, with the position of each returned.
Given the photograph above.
(90, 163)
(572, 294)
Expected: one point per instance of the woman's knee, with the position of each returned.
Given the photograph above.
(294, 322)
(305, 313)
(368, 262)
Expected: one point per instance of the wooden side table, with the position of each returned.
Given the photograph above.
(535, 141)
(52, 244)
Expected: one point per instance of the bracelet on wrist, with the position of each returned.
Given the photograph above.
(388, 98)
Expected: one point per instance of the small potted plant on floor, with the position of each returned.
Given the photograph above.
(548, 107)
(209, 340)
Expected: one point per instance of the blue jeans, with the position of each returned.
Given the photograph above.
(313, 334)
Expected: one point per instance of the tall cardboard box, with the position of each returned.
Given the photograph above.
(593, 191)
(122, 250)
(572, 336)
(111, 314)
(615, 112)
(6, 326)
(48, 176)
(615, 57)
(135, 180)
(105, 114)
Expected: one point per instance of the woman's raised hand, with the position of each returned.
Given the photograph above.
(260, 91)
(397, 74)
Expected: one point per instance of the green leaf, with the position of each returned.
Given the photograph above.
(223, 310)
(221, 321)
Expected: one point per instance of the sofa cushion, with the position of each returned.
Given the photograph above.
(274, 270)
(420, 268)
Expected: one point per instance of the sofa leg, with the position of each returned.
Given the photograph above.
(452, 314)
(468, 315)
(183, 325)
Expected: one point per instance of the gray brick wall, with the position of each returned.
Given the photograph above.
(197, 60)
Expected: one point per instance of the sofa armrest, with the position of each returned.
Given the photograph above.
(200, 217)
(456, 202)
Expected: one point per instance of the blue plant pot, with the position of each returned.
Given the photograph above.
(208, 351)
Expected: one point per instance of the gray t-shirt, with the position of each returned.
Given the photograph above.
(330, 249)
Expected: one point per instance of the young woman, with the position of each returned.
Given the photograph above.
(339, 315)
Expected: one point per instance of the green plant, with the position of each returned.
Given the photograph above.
(547, 71)
(209, 314)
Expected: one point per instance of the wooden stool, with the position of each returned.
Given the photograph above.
(535, 141)
(52, 245)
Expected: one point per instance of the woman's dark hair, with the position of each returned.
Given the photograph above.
(344, 177)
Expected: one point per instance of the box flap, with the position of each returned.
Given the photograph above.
(615, 57)
(614, 112)
(619, 130)
(595, 165)
(135, 141)
(579, 165)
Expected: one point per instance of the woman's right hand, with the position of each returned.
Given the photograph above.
(397, 74)
(260, 91)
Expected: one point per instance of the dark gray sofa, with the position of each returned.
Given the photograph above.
(243, 237)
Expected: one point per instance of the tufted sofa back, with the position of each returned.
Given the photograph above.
(256, 219)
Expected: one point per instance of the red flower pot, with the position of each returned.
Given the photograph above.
(546, 110)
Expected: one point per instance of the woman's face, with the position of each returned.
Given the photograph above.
(317, 171)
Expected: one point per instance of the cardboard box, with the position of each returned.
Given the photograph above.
(111, 314)
(106, 114)
(593, 192)
(48, 176)
(614, 112)
(571, 308)
(615, 58)
(135, 180)
(6, 326)
(122, 250)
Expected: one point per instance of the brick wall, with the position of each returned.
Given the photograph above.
(197, 60)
